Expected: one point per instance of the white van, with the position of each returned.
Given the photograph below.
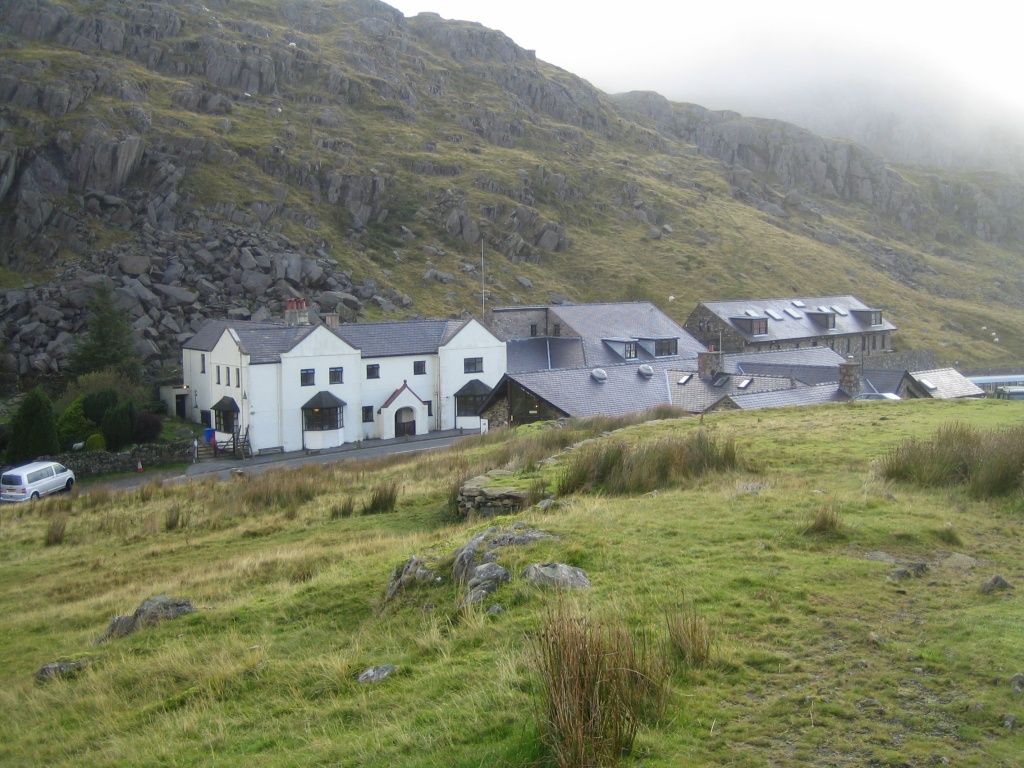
(31, 481)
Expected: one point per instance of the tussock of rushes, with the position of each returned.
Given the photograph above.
(826, 521)
(344, 509)
(383, 498)
(55, 530)
(947, 535)
(599, 681)
(691, 635)
(989, 463)
(617, 467)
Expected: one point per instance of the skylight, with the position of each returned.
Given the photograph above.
(751, 313)
(793, 313)
(928, 383)
(798, 303)
(839, 310)
(744, 384)
(823, 309)
(720, 379)
(773, 314)
(685, 379)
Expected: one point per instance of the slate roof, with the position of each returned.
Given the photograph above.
(227, 404)
(636, 319)
(805, 374)
(402, 337)
(948, 383)
(543, 352)
(882, 380)
(263, 342)
(394, 395)
(323, 399)
(472, 388)
(790, 328)
(824, 356)
(697, 395)
(785, 398)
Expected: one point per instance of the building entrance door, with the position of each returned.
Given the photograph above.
(405, 422)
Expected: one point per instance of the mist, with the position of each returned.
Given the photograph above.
(917, 82)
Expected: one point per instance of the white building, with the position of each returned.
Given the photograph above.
(292, 387)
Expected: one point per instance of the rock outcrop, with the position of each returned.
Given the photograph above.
(151, 611)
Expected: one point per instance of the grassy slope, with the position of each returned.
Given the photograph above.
(824, 661)
(940, 302)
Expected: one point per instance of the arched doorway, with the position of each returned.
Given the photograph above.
(405, 422)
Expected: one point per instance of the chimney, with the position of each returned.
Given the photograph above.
(296, 312)
(331, 319)
(849, 377)
(708, 364)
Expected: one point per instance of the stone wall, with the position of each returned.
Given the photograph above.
(508, 323)
(478, 498)
(93, 463)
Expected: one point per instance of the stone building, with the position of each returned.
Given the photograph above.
(844, 324)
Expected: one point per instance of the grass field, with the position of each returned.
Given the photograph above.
(820, 656)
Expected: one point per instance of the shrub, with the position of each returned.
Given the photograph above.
(173, 518)
(691, 635)
(97, 404)
(74, 426)
(117, 426)
(33, 429)
(383, 498)
(148, 427)
(55, 531)
(599, 681)
(95, 442)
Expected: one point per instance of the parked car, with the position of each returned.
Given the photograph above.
(31, 481)
(888, 396)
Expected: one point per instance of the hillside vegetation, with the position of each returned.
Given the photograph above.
(845, 620)
(248, 151)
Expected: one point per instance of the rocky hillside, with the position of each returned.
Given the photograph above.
(215, 159)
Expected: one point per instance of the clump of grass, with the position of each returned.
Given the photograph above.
(691, 635)
(55, 530)
(826, 521)
(537, 491)
(383, 498)
(283, 489)
(947, 535)
(599, 681)
(346, 508)
(172, 518)
(620, 468)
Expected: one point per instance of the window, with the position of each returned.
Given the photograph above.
(336, 376)
(321, 419)
(238, 378)
(227, 376)
(430, 407)
(665, 347)
(469, 405)
(759, 327)
(874, 342)
(473, 365)
(419, 367)
(204, 418)
(630, 351)
(533, 329)
(202, 363)
(367, 414)
(218, 374)
(373, 371)
(307, 377)
(556, 329)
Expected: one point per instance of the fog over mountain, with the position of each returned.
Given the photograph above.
(919, 83)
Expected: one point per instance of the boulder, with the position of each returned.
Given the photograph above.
(59, 669)
(525, 282)
(412, 571)
(176, 294)
(134, 264)
(485, 580)
(996, 584)
(150, 612)
(558, 575)
(376, 674)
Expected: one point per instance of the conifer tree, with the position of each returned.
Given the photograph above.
(33, 429)
(108, 341)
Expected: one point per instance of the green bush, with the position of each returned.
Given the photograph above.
(117, 426)
(148, 427)
(33, 429)
(95, 442)
(74, 426)
(96, 405)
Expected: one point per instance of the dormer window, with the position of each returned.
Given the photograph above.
(823, 318)
(666, 347)
(759, 326)
(869, 316)
(556, 329)
(630, 350)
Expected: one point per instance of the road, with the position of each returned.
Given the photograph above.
(222, 468)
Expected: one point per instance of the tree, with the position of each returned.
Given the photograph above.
(108, 340)
(95, 405)
(74, 426)
(33, 429)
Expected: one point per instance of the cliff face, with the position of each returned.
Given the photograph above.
(207, 160)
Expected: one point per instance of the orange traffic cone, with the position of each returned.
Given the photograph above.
(139, 467)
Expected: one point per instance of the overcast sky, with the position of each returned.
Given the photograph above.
(729, 55)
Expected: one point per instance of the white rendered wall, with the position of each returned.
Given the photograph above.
(394, 371)
(472, 341)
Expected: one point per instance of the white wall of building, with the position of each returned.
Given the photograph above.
(394, 371)
(472, 341)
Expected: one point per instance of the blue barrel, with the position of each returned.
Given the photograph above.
(209, 435)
